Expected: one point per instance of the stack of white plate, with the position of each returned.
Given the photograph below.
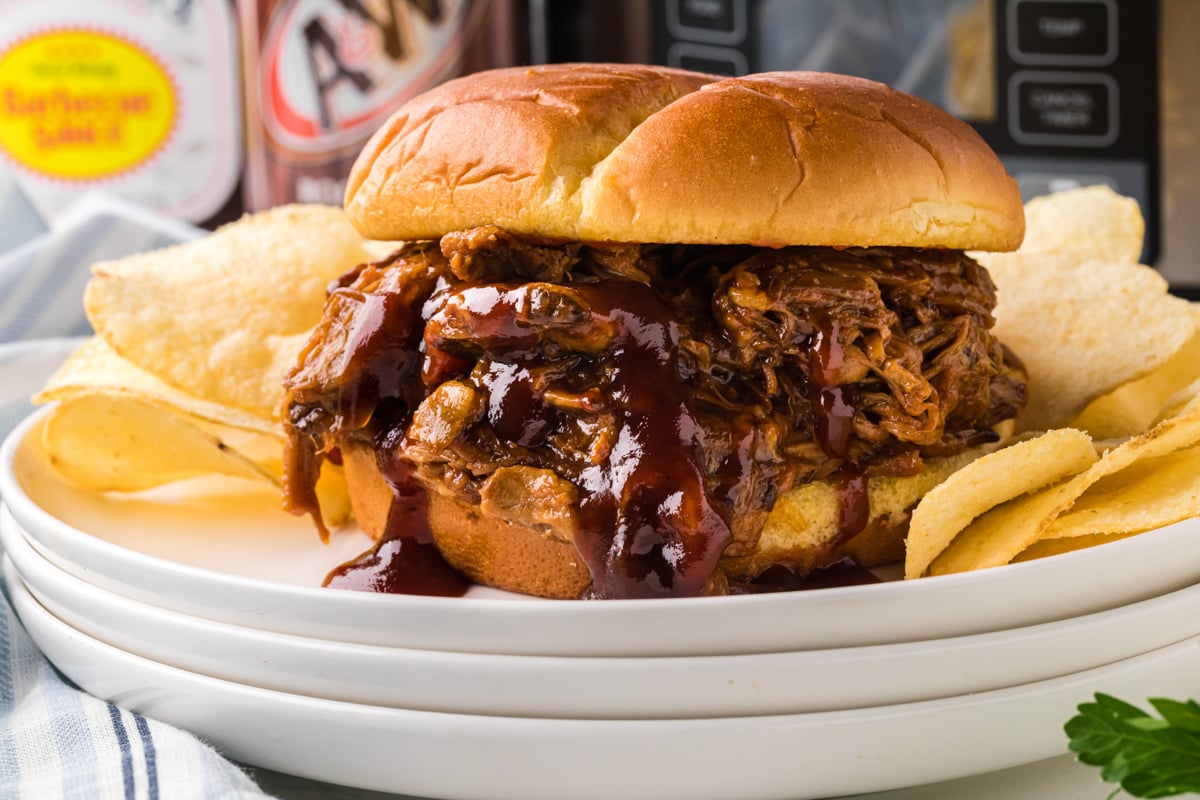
(208, 614)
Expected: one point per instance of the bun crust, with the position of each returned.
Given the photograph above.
(509, 147)
(489, 551)
(596, 152)
(506, 555)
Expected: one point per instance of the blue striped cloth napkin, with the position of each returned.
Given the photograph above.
(43, 275)
(19, 220)
(55, 740)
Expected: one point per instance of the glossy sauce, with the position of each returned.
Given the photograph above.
(609, 385)
(647, 526)
(514, 409)
(381, 376)
(833, 427)
(405, 560)
(651, 528)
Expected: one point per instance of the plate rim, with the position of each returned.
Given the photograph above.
(15, 496)
(540, 618)
(755, 679)
(1047, 695)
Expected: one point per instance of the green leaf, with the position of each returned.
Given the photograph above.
(1185, 716)
(1148, 756)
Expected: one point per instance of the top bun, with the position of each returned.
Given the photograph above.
(605, 152)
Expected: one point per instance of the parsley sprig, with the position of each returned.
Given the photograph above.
(1148, 756)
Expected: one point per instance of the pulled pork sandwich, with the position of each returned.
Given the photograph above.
(653, 332)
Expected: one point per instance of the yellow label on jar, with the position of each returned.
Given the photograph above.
(80, 104)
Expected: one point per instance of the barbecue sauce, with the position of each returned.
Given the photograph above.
(647, 526)
(386, 358)
(651, 528)
(833, 427)
(591, 379)
(405, 560)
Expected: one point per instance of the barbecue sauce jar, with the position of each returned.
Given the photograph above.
(139, 98)
(322, 75)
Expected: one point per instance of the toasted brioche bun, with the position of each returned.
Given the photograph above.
(598, 152)
(506, 555)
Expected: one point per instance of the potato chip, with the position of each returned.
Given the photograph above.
(1179, 400)
(1083, 329)
(987, 482)
(1056, 547)
(224, 317)
(95, 384)
(119, 442)
(999, 535)
(1133, 407)
(1092, 223)
(996, 537)
(95, 367)
(1148, 494)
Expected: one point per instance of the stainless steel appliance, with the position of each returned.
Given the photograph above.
(1068, 92)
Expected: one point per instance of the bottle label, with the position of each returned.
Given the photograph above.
(331, 72)
(83, 104)
(138, 97)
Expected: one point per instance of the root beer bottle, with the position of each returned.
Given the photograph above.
(322, 75)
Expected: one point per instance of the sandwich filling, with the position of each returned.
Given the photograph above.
(648, 403)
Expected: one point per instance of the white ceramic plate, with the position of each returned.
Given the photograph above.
(605, 688)
(507, 758)
(24, 369)
(233, 557)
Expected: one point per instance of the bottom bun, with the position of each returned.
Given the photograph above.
(799, 532)
(505, 555)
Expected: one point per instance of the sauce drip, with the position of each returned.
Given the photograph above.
(651, 527)
(514, 409)
(637, 417)
(405, 560)
(380, 378)
(647, 526)
(833, 427)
